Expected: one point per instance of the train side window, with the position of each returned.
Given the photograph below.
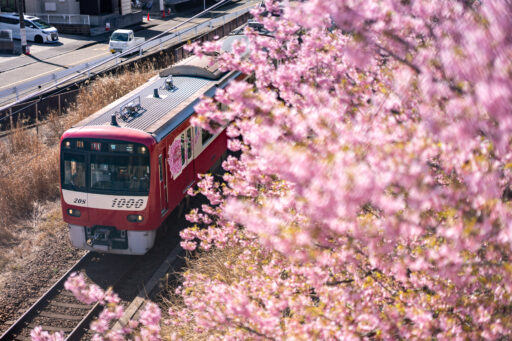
(189, 143)
(182, 149)
(205, 136)
(222, 106)
(161, 168)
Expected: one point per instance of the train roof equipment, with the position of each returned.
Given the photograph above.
(178, 91)
(161, 104)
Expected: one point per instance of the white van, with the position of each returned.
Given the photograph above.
(36, 29)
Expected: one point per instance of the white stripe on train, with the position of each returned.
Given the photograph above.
(106, 202)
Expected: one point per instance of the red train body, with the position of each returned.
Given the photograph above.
(125, 168)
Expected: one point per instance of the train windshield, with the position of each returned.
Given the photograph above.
(74, 171)
(105, 167)
(120, 173)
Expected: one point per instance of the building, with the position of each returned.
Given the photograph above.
(85, 17)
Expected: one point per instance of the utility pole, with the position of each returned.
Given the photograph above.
(23, 33)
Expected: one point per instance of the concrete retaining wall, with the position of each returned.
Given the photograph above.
(79, 29)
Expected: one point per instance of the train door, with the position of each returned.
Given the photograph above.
(163, 183)
(190, 138)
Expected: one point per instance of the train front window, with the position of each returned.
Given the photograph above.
(74, 170)
(105, 167)
(120, 173)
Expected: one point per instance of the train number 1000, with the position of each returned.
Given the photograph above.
(128, 203)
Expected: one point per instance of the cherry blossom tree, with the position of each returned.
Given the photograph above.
(371, 195)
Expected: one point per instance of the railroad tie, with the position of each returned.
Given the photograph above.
(71, 305)
(61, 316)
(51, 329)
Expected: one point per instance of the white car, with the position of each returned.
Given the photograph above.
(37, 30)
(122, 40)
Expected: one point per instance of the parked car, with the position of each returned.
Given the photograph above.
(36, 29)
(122, 40)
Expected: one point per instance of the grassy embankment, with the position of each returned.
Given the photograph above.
(29, 170)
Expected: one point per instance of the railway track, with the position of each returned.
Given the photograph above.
(130, 276)
(59, 310)
(16, 331)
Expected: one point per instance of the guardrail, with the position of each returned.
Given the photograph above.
(16, 92)
(54, 77)
(193, 31)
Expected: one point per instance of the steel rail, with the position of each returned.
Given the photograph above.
(84, 323)
(82, 320)
(18, 325)
(127, 52)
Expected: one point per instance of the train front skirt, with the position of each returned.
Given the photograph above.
(110, 240)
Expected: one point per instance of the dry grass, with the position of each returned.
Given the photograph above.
(43, 223)
(210, 264)
(29, 162)
(32, 177)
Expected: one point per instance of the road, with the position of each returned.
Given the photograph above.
(76, 50)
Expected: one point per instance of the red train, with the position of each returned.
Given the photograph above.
(126, 167)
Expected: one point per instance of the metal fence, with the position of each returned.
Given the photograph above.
(32, 112)
(187, 33)
(64, 18)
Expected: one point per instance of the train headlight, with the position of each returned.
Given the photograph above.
(74, 212)
(135, 218)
